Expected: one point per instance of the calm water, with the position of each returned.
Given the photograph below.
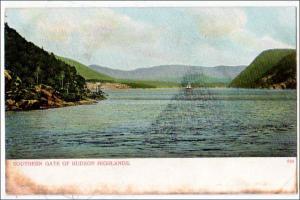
(160, 123)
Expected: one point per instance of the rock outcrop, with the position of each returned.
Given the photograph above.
(39, 97)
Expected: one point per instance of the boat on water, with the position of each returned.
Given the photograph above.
(188, 87)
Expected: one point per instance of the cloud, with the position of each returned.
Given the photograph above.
(218, 22)
(90, 29)
(217, 25)
(255, 43)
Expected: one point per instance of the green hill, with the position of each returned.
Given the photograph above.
(85, 71)
(32, 66)
(275, 68)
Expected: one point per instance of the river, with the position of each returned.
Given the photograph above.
(160, 123)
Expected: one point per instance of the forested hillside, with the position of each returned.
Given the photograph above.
(35, 76)
(275, 68)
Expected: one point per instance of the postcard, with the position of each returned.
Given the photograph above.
(184, 99)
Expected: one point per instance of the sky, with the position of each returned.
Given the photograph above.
(128, 38)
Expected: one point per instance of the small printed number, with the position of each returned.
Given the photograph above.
(290, 161)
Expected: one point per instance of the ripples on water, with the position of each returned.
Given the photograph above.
(160, 123)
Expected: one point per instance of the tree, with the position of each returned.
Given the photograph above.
(37, 73)
(62, 76)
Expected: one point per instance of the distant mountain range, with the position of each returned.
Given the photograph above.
(172, 73)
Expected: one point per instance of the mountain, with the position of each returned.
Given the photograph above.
(274, 68)
(34, 66)
(86, 72)
(35, 78)
(172, 73)
(93, 76)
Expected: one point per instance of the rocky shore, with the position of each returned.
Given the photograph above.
(41, 97)
(19, 97)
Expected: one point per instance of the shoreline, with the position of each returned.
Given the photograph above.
(62, 105)
(89, 101)
(158, 88)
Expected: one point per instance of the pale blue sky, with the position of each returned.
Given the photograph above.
(129, 38)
